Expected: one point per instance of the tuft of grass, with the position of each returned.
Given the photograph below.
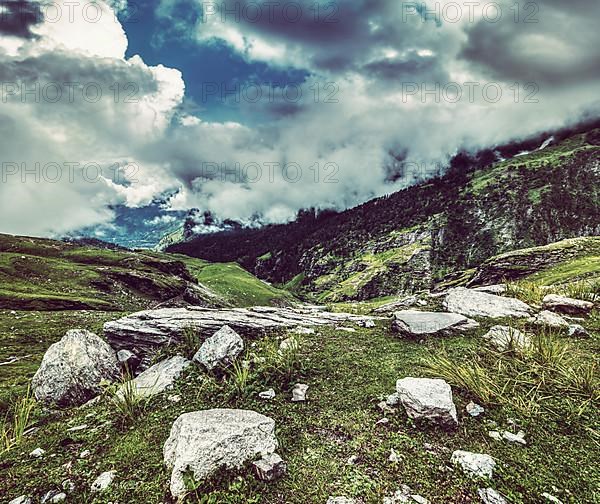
(127, 402)
(239, 375)
(16, 423)
(529, 292)
(190, 342)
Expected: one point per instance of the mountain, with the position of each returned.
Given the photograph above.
(414, 238)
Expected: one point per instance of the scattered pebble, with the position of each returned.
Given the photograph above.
(37, 453)
(514, 438)
(68, 485)
(77, 428)
(103, 481)
(267, 394)
(474, 409)
(299, 392)
(382, 421)
(551, 498)
(84, 454)
(393, 456)
(175, 398)
(490, 496)
(474, 464)
(352, 460)
(495, 435)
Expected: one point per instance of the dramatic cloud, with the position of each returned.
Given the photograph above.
(389, 86)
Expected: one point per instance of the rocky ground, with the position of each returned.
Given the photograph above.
(468, 395)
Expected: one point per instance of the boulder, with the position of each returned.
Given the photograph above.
(287, 345)
(419, 323)
(477, 465)
(128, 360)
(72, 369)
(220, 350)
(160, 377)
(270, 468)
(472, 303)
(504, 338)
(427, 398)
(567, 305)
(145, 331)
(490, 496)
(203, 441)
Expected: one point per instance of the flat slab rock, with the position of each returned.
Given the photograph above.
(203, 441)
(428, 398)
(160, 377)
(566, 305)
(473, 303)
(144, 331)
(422, 323)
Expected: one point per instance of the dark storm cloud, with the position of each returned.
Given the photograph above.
(559, 45)
(18, 16)
(409, 69)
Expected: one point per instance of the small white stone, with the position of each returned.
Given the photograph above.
(299, 392)
(474, 464)
(267, 394)
(174, 398)
(393, 456)
(346, 329)
(352, 460)
(37, 453)
(84, 454)
(23, 499)
(60, 497)
(103, 481)
(495, 435)
(382, 421)
(490, 496)
(514, 438)
(341, 500)
(288, 345)
(474, 409)
(551, 498)
(77, 428)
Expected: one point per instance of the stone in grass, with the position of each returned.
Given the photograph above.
(53, 496)
(563, 304)
(477, 465)
(578, 331)
(128, 360)
(341, 500)
(270, 468)
(23, 499)
(73, 368)
(201, 442)
(299, 392)
(551, 498)
(288, 345)
(505, 338)
(474, 409)
(158, 378)
(103, 482)
(267, 394)
(472, 303)
(418, 323)
(490, 496)
(427, 398)
(514, 438)
(549, 319)
(405, 495)
(37, 453)
(221, 349)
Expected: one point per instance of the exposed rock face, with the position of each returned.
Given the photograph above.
(473, 303)
(477, 465)
(427, 398)
(144, 331)
(72, 369)
(160, 377)
(419, 323)
(567, 305)
(204, 441)
(221, 349)
(504, 338)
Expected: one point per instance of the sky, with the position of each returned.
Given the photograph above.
(253, 110)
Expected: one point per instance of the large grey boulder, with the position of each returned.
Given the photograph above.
(203, 441)
(427, 398)
(563, 304)
(221, 349)
(477, 465)
(73, 368)
(145, 331)
(505, 338)
(160, 377)
(420, 323)
(473, 303)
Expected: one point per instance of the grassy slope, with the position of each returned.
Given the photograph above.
(318, 437)
(41, 274)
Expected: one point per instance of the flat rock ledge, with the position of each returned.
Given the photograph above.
(421, 323)
(473, 303)
(429, 399)
(145, 331)
(202, 442)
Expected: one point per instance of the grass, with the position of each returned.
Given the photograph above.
(348, 374)
(16, 422)
(126, 401)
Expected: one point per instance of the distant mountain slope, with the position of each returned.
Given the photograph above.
(41, 274)
(407, 240)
